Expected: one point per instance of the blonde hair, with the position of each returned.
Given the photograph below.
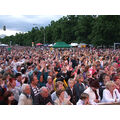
(71, 80)
(109, 84)
(58, 83)
(79, 77)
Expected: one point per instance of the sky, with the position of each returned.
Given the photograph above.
(23, 23)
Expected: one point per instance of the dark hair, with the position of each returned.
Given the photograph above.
(58, 92)
(93, 83)
(6, 95)
(18, 66)
(18, 74)
(35, 73)
(11, 80)
(101, 77)
(26, 80)
(23, 71)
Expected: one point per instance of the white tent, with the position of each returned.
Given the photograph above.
(50, 45)
(3, 45)
(74, 44)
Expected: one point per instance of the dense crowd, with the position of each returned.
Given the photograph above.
(74, 76)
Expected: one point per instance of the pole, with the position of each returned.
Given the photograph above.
(44, 36)
(10, 43)
(114, 46)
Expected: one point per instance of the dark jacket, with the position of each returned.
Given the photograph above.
(101, 89)
(44, 101)
(79, 88)
(72, 95)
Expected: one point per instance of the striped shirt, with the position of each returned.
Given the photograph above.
(36, 90)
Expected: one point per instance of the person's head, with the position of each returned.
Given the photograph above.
(49, 79)
(86, 68)
(34, 80)
(106, 78)
(23, 70)
(88, 75)
(8, 69)
(12, 82)
(66, 63)
(80, 78)
(71, 82)
(8, 97)
(44, 92)
(41, 78)
(60, 94)
(95, 75)
(117, 80)
(85, 97)
(25, 78)
(19, 77)
(118, 71)
(35, 73)
(94, 84)
(18, 68)
(29, 68)
(26, 89)
(110, 85)
(50, 73)
(94, 66)
(83, 67)
(59, 85)
(115, 65)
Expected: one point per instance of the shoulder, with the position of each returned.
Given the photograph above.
(56, 102)
(53, 94)
(88, 90)
(22, 96)
(80, 102)
(76, 85)
(106, 91)
(68, 88)
(116, 91)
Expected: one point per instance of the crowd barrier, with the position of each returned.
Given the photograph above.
(116, 103)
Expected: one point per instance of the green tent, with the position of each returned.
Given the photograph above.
(61, 45)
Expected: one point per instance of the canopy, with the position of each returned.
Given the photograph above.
(74, 44)
(61, 45)
(50, 45)
(82, 45)
(3, 45)
(38, 44)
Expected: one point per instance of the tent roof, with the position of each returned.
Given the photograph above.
(74, 44)
(38, 44)
(61, 45)
(3, 45)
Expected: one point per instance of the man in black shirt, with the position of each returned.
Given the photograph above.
(44, 98)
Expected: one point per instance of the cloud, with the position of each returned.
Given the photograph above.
(25, 23)
(8, 32)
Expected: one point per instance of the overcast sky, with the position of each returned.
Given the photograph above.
(24, 23)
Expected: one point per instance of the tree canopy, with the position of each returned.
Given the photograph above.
(89, 29)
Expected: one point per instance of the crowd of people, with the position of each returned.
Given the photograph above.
(74, 76)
